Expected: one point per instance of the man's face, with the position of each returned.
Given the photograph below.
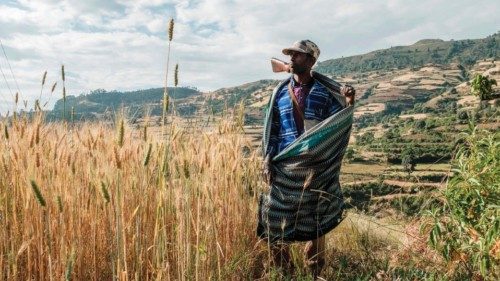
(300, 62)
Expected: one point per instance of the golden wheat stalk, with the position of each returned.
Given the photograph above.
(37, 105)
(59, 203)
(176, 75)
(6, 131)
(145, 132)
(105, 192)
(63, 75)
(37, 193)
(148, 155)
(37, 134)
(121, 132)
(171, 29)
(165, 92)
(69, 266)
(43, 83)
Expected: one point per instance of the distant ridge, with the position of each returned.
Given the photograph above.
(96, 103)
(465, 52)
(428, 41)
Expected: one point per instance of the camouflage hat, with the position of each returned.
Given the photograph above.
(303, 46)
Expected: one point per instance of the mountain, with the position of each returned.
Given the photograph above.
(435, 51)
(98, 103)
(393, 79)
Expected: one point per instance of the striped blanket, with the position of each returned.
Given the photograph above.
(305, 201)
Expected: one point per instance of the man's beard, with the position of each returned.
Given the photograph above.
(298, 69)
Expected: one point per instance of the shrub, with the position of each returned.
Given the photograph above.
(408, 159)
(466, 230)
(462, 115)
(349, 154)
(366, 138)
(482, 86)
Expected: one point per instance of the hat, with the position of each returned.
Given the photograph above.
(303, 46)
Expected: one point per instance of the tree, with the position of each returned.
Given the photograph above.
(408, 160)
(482, 86)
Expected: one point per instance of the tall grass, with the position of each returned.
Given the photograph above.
(166, 97)
(78, 204)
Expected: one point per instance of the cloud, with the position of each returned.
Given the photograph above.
(122, 44)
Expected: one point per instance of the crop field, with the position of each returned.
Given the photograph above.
(91, 202)
(95, 201)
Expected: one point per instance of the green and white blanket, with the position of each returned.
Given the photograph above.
(305, 200)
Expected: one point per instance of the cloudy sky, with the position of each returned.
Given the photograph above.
(122, 44)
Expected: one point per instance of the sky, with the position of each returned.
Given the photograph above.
(122, 44)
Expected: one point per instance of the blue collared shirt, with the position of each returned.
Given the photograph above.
(319, 105)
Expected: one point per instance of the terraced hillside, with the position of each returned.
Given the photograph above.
(414, 114)
(393, 91)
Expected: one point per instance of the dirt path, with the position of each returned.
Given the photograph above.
(399, 183)
(393, 196)
(411, 184)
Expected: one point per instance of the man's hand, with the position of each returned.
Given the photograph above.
(349, 92)
(267, 170)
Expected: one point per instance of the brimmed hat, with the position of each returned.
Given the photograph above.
(303, 46)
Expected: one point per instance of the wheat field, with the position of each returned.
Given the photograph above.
(101, 201)
(94, 202)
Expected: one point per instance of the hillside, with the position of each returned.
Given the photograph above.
(393, 79)
(98, 103)
(424, 108)
(435, 51)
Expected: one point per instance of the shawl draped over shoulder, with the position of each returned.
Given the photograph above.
(304, 200)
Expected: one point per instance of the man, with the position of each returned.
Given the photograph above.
(303, 151)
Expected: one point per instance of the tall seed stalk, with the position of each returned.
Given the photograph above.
(176, 75)
(37, 193)
(6, 131)
(63, 92)
(176, 82)
(121, 131)
(16, 100)
(165, 92)
(37, 102)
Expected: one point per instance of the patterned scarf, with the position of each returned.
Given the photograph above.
(305, 201)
